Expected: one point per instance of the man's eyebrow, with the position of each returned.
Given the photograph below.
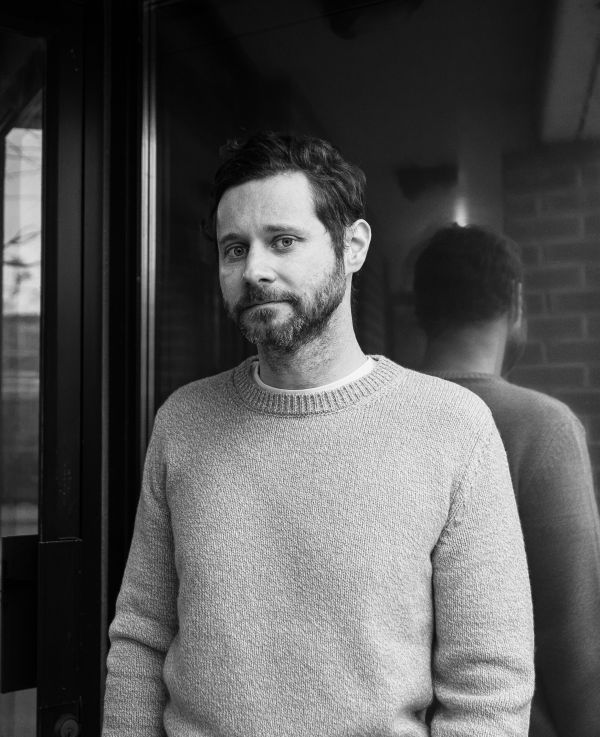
(279, 227)
(229, 237)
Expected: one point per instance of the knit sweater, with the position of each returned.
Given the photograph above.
(550, 469)
(323, 564)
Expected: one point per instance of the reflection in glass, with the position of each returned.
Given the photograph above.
(21, 139)
(480, 113)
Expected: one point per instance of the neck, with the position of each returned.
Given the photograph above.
(330, 356)
(474, 349)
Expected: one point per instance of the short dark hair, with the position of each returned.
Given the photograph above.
(338, 186)
(464, 275)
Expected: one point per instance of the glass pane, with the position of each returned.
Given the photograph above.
(21, 138)
(388, 83)
(466, 111)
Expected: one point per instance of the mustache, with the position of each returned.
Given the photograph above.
(254, 295)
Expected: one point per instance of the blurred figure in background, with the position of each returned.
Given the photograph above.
(468, 287)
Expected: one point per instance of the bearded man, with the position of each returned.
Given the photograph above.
(326, 543)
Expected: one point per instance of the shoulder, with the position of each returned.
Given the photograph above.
(434, 393)
(550, 432)
(540, 409)
(545, 441)
(201, 396)
(199, 389)
(441, 405)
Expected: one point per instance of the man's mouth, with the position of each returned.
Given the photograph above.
(263, 304)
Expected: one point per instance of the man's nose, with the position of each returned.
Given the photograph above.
(258, 267)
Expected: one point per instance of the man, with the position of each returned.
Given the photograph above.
(468, 296)
(326, 543)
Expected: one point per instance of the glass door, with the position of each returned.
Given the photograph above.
(22, 71)
(52, 611)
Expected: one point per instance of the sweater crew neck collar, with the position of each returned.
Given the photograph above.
(353, 376)
(319, 401)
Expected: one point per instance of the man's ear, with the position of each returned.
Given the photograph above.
(358, 237)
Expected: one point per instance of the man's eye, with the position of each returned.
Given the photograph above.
(235, 252)
(285, 241)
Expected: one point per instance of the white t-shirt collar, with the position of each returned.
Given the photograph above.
(358, 373)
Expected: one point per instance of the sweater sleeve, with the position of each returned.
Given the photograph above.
(483, 652)
(145, 621)
(562, 532)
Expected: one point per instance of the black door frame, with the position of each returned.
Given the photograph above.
(90, 340)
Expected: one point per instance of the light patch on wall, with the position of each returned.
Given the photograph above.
(461, 215)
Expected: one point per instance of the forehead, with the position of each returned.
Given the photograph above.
(281, 197)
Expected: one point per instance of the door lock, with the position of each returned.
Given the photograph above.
(67, 726)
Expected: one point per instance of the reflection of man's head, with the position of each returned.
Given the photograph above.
(469, 276)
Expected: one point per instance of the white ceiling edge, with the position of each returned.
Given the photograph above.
(571, 107)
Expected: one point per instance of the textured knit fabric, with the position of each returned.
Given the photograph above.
(323, 565)
(550, 468)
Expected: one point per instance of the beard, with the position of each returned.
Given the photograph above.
(310, 313)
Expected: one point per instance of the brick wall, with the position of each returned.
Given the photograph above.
(552, 209)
